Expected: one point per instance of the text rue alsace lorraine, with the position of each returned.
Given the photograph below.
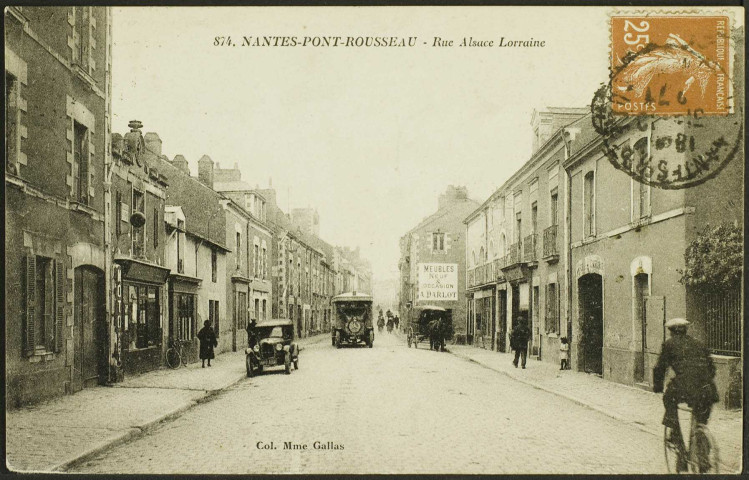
(373, 41)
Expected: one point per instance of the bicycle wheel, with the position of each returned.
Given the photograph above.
(672, 452)
(173, 358)
(704, 455)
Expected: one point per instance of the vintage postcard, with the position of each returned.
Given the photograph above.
(374, 240)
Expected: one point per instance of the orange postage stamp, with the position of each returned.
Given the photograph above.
(671, 65)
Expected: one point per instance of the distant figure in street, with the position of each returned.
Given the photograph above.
(564, 354)
(251, 333)
(396, 321)
(693, 382)
(390, 325)
(208, 340)
(519, 341)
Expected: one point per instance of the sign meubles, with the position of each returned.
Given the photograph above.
(438, 281)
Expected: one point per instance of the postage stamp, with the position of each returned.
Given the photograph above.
(667, 116)
(671, 64)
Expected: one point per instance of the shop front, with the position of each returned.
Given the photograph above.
(143, 305)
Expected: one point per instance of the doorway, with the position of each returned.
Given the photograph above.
(590, 288)
(90, 327)
(641, 292)
(502, 296)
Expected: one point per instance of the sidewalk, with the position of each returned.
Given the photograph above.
(54, 435)
(642, 409)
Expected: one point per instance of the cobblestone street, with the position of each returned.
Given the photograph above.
(392, 410)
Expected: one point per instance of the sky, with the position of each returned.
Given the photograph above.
(368, 136)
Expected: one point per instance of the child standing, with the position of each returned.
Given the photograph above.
(564, 353)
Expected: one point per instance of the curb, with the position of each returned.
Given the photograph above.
(657, 433)
(563, 395)
(138, 431)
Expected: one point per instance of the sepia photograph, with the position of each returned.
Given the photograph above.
(393, 240)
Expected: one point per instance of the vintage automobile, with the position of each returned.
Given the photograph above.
(273, 345)
(429, 322)
(353, 320)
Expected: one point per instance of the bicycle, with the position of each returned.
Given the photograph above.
(174, 356)
(700, 456)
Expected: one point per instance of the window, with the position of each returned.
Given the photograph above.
(45, 282)
(239, 250)
(139, 234)
(257, 309)
(141, 315)
(213, 315)
(256, 262)
(265, 312)
(554, 207)
(518, 227)
(265, 263)
(180, 259)
(214, 265)
(82, 37)
(644, 199)
(534, 217)
(11, 121)
(186, 324)
(80, 163)
(118, 215)
(552, 308)
(589, 204)
(438, 242)
(155, 227)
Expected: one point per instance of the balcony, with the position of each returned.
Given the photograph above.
(514, 255)
(483, 274)
(551, 250)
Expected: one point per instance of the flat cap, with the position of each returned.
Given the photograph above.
(677, 322)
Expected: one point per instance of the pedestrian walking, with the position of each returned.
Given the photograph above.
(564, 354)
(251, 333)
(208, 341)
(519, 341)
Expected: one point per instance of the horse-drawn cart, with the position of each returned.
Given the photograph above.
(429, 323)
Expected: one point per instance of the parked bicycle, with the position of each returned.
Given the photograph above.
(699, 456)
(174, 355)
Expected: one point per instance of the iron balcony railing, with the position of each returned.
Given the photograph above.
(721, 317)
(529, 248)
(550, 242)
(489, 272)
(514, 254)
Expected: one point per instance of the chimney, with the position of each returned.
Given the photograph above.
(205, 171)
(451, 196)
(181, 164)
(153, 143)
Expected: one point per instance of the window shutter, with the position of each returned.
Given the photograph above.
(30, 331)
(59, 303)
(83, 173)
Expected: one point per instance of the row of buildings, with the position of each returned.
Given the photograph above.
(112, 249)
(578, 249)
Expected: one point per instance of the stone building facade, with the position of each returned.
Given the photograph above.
(438, 239)
(57, 97)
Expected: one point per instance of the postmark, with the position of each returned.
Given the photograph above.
(664, 117)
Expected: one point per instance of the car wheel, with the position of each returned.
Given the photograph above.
(287, 365)
(248, 363)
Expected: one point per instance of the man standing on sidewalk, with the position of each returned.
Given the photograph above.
(519, 341)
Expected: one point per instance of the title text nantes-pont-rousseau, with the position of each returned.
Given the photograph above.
(366, 41)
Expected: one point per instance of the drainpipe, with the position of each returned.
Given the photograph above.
(107, 185)
(568, 240)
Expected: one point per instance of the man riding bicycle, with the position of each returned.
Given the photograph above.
(693, 382)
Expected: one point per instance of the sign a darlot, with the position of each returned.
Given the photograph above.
(438, 281)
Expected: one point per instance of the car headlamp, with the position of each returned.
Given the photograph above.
(279, 347)
(256, 348)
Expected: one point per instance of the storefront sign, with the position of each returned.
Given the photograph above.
(590, 264)
(438, 281)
